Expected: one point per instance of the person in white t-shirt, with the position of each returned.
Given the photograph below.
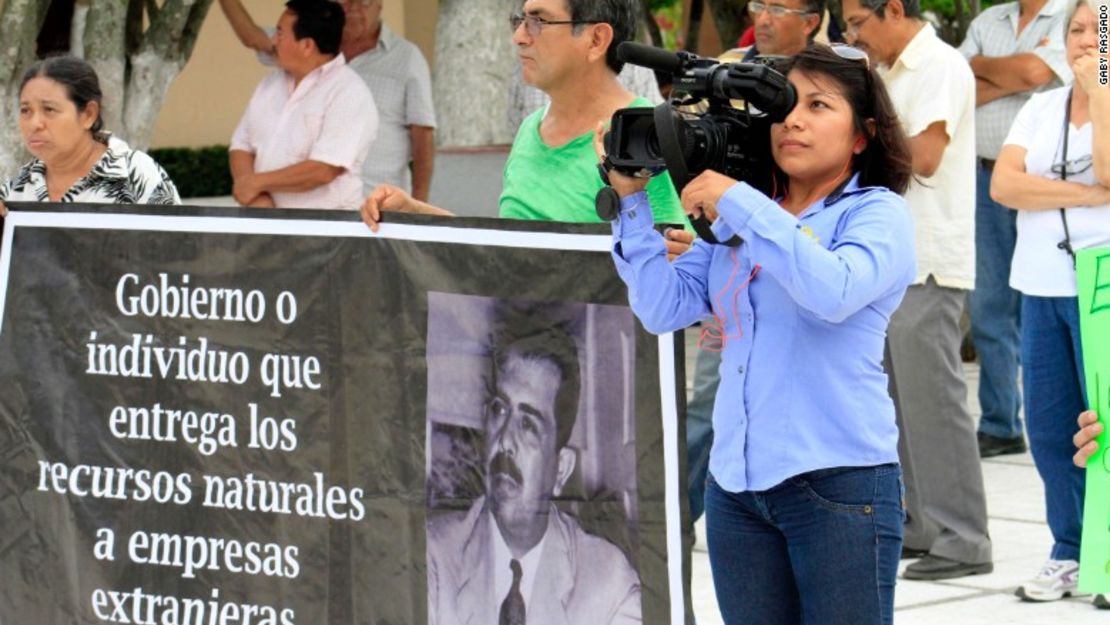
(1053, 169)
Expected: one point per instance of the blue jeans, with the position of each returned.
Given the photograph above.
(995, 313)
(1055, 394)
(821, 547)
(699, 428)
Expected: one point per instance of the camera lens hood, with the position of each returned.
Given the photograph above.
(667, 120)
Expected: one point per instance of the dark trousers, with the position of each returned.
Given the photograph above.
(1052, 380)
(996, 313)
(821, 547)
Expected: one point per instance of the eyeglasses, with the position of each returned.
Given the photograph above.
(852, 30)
(776, 10)
(534, 24)
(853, 27)
(850, 53)
(1074, 167)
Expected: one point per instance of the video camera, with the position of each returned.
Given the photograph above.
(730, 139)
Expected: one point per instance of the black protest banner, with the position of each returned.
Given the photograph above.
(211, 418)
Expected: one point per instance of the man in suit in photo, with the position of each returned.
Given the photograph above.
(514, 558)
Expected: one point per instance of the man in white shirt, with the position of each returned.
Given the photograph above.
(933, 91)
(782, 27)
(483, 563)
(305, 133)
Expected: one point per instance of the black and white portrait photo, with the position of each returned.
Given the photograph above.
(532, 513)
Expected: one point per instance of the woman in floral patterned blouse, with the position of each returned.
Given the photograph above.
(75, 159)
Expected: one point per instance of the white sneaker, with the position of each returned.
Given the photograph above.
(1057, 579)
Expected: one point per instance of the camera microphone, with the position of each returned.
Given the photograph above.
(731, 134)
(650, 57)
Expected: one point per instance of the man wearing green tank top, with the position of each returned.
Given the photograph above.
(567, 49)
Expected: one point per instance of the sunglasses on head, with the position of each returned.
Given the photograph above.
(850, 53)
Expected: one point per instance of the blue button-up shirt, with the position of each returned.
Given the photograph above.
(802, 382)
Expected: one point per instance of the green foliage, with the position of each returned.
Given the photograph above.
(943, 8)
(954, 16)
(197, 172)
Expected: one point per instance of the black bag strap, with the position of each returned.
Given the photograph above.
(1066, 243)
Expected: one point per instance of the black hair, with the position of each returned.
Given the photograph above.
(886, 160)
(912, 8)
(529, 334)
(321, 20)
(816, 7)
(621, 15)
(80, 82)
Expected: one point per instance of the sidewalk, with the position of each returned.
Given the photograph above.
(1015, 503)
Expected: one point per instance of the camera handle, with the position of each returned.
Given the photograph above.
(669, 146)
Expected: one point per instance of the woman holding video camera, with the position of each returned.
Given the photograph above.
(803, 502)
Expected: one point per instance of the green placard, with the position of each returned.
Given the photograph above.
(1093, 274)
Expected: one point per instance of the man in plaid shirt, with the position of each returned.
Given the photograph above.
(1015, 49)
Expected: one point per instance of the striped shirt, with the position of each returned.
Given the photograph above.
(401, 84)
(994, 33)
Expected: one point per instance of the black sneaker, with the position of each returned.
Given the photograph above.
(909, 553)
(936, 567)
(967, 349)
(1101, 602)
(990, 446)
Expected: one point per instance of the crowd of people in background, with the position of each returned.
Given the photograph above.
(916, 177)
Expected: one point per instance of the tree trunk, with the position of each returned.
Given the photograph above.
(104, 50)
(693, 28)
(77, 31)
(167, 45)
(730, 18)
(964, 18)
(655, 36)
(137, 48)
(149, 82)
(20, 21)
(474, 63)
